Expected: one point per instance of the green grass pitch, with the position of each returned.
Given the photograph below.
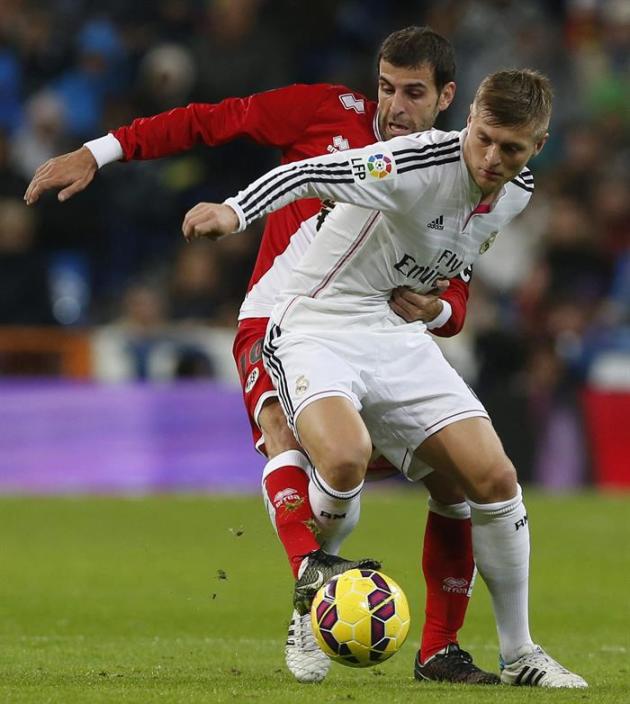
(186, 599)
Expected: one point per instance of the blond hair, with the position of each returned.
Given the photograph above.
(515, 98)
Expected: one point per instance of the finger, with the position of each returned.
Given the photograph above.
(33, 192)
(73, 188)
(442, 285)
(401, 311)
(405, 296)
(396, 308)
(192, 226)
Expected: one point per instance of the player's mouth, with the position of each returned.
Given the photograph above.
(397, 128)
(491, 175)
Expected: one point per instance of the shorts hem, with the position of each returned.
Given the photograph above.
(454, 418)
(317, 397)
(260, 403)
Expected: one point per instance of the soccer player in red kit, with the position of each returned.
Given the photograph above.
(415, 82)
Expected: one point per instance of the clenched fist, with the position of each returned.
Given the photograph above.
(211, 220)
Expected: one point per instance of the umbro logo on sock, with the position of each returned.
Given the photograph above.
(437, 224)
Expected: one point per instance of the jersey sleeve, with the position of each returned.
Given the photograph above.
(366, 177)
(457, 297)
(274, 118)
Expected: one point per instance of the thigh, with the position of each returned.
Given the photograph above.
(469, 453)
(415, 394)
(306, 369)
(336, 440)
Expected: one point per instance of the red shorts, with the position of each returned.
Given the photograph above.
(255, 382)
(258, 387)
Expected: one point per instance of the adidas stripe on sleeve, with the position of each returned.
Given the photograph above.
(381, 176)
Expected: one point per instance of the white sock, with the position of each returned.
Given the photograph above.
(336, 512)
(501, 547)
(289, 458)
(458, 511)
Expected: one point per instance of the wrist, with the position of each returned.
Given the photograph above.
(442, 317)
(105, 149)
(241, 223)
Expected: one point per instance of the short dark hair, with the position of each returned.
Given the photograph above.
(413, 46)
(516, 98)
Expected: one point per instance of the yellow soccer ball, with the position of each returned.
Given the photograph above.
(360, 618)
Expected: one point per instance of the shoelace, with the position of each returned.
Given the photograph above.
(303, 634)
(462, 657)
(544, 662)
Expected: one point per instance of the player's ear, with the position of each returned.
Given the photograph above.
(446, 96)
(540, 144)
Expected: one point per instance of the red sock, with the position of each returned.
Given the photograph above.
(448, 566)
(287, 492)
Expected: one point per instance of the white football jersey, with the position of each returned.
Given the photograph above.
(416, 222)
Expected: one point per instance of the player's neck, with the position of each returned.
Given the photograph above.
(489, 198)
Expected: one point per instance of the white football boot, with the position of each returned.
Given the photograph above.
(304, 658)
(536, 669)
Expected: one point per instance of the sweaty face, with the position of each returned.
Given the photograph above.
(494, 155)
(408, 100)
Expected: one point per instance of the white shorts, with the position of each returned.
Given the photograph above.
(397, 379)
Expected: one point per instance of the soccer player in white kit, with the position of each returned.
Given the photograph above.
(350, 372)
(416, 71)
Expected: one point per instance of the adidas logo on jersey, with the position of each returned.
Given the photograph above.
(437, 224)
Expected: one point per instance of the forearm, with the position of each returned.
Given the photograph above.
(455, 300)
(341, 177)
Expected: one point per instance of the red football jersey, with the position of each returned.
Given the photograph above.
(302, 121)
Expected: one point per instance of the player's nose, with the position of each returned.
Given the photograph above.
(492, 156)
(398, 105)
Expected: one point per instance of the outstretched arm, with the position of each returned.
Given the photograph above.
(365, 177)
(275, 118)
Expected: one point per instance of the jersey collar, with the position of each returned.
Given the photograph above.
(375, 127)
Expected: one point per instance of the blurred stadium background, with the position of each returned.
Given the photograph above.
(115, 337)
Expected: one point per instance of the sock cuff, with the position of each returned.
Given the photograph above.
(322, 485)
(498, 508)
(289, 458)
(459, 511)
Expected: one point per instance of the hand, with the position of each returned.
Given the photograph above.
(412, 306)
(211, 220)
(72, 172)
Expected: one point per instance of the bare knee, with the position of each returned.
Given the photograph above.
(342, 467)
(341, 460)
(497, 481)
(276, 432)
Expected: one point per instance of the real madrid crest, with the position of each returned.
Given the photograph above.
(301, 385)
(485, 246)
